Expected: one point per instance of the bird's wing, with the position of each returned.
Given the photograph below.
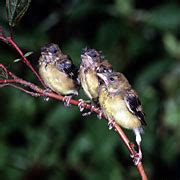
(134, 105)
(68, 68)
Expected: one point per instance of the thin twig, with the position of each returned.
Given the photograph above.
(14, 45)
(25, 59)
(24, 90)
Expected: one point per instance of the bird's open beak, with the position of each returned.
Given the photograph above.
(104, 77)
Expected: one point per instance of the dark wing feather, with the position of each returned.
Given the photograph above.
(67, 67)
(134, 105)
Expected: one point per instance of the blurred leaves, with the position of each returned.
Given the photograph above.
(172, 104)
(124, 7)
(165, 17)
(16, 10)
(172, 45)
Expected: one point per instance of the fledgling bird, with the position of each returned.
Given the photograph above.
(120, 103)
(58, 71)
(92, 62)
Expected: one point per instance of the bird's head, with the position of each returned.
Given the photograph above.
(50, 53)
(104, 67)
(51, 49)
(91, 57)
(113, 81)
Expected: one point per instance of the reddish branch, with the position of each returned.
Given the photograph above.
(14, 45)
(10, 79)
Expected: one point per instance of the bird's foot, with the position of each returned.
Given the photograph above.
(94, 108)
(97, 109)
(99, 115)
(87, 113)
(82, 105)
(45, 92)
(90, 112)
(66, 100)
(137, 158)
(111, 123)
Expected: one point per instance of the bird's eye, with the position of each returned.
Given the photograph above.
(111, 79)
(101, 82)
(53, 50)
(92, 54)
(103, 69)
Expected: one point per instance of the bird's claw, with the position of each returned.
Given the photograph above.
(99, 115)
(45, 92)
(95, 108)
(90, 112)
(137, 158)
(111, 123)
(66, 100)
(86, 114)
(81, 105)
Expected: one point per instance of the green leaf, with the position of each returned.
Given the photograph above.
(16, 10)
(17, 60)
(28, 54)
(25, 55)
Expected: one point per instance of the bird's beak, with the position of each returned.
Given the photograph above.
(45, 53)
(104, 77)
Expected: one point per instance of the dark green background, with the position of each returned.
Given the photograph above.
(44, 140)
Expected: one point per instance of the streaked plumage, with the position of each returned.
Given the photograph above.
(92, 62)
(58, 71)
(121, 103)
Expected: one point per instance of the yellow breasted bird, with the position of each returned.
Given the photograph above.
(58, 71)
(120, 103)
(92, 62)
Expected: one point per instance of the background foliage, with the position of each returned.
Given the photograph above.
(44, 140)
